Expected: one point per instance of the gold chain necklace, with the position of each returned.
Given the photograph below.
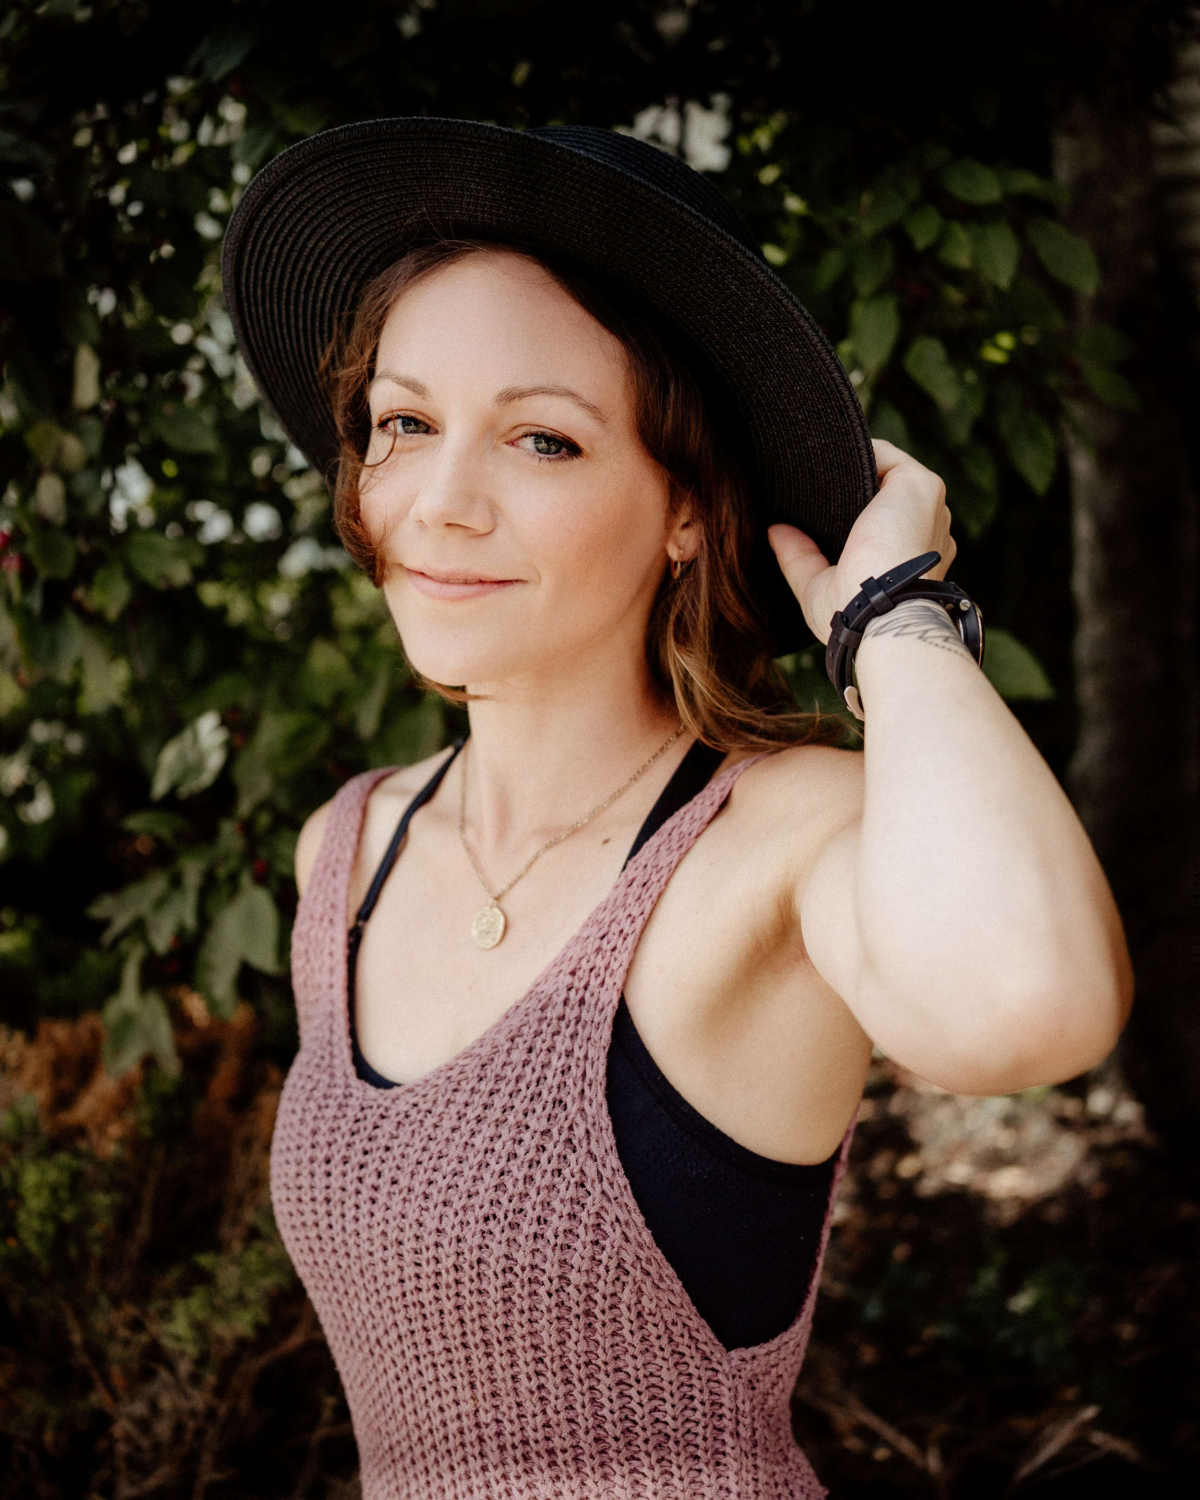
(490, 923)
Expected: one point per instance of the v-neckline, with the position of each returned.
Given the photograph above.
(345, 1042)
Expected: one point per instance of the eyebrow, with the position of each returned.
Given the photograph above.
(519, 392)
(509, 394)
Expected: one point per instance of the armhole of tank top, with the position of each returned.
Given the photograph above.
(354, 937)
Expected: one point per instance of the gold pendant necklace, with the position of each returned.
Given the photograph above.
(489, 923)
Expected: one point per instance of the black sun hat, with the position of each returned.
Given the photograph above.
(325, 217)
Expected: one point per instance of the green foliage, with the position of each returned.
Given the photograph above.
(188, 664)
(948, 289)
(1012, 669)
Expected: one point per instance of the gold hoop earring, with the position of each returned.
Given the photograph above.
(677, 567)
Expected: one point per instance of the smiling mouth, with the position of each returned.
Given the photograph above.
(438, 585)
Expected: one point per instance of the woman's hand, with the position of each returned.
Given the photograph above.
(908, 516)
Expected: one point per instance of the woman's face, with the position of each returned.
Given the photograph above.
(523, 524)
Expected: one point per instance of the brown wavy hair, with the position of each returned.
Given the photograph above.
(707, 645)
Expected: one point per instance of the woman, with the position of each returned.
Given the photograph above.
(587, 1003)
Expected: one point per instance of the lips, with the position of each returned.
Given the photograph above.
(439, 585)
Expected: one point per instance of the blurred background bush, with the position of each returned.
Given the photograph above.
(994, 211)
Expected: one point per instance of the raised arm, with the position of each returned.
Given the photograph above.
(964, 919)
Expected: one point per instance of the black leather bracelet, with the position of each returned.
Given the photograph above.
(879, 595)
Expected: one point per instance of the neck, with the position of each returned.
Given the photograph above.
(544, 752)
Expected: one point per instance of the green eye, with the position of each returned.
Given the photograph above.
(548, 445)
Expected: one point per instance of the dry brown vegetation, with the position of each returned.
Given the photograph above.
(1006, 1302)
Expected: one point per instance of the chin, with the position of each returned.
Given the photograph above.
(454, 659)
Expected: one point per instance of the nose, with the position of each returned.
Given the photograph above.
(449, 489)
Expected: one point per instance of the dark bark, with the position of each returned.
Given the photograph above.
(1134, 776)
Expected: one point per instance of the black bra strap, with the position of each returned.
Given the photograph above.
(393, 849)
(691, 775)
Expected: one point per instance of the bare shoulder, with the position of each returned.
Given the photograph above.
(392, 795)
(799, 798)
(817, 776)
(309, 842)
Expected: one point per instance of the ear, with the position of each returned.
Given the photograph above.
(683, 539)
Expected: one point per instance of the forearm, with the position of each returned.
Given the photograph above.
(987, 930)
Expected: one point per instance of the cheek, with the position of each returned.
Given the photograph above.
(381, 502)
(604, 540)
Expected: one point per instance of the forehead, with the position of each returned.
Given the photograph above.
(494, 313)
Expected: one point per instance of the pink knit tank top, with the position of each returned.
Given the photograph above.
(503, 1322)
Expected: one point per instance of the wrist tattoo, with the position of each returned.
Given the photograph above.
(922, 620)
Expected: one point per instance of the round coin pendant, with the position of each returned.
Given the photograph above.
(488, 927)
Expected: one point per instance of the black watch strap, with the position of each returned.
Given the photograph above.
(879, 595)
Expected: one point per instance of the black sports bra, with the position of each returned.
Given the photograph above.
(741, 1231)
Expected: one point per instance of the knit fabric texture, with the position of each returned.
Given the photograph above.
(503, 1322)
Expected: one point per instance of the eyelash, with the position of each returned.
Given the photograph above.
(571, 450)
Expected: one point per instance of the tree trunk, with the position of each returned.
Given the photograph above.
(1135, 774)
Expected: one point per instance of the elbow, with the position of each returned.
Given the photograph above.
(1045, 1035)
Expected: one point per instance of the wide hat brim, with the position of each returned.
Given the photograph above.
(325, 217)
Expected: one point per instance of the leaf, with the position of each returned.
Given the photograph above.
(50, 499)
(326, 673)
(971, 182)
(137, 1024)
(874, 328)
(51, 648)
(829, 269)
(158, 823)
(163, 562)
(980, 466)
(956, 249)
(52, 551)
(283, 742)
(252, 147)
(1031, 446)
(187, 429)
(996, 251)
(193, 759)
(55, 448)
(369, 708)
(223, 50)
(973, 502)
(958, 421)
(105, 678)
(245, 931)
(872, 265)
(882, 208)
(1111, 387)
(110, 591)
(1030, 302)
(1067, 257)
(1012, 668)
(972, 507)
(178, 910)
(929, 365)
(1107, 345)
(1030, 185)
(889, 424)
(121, 909)
(415, 732)
(923, 225)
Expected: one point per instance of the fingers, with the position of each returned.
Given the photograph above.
(798, 555)
(890, 459)
(888, 456)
